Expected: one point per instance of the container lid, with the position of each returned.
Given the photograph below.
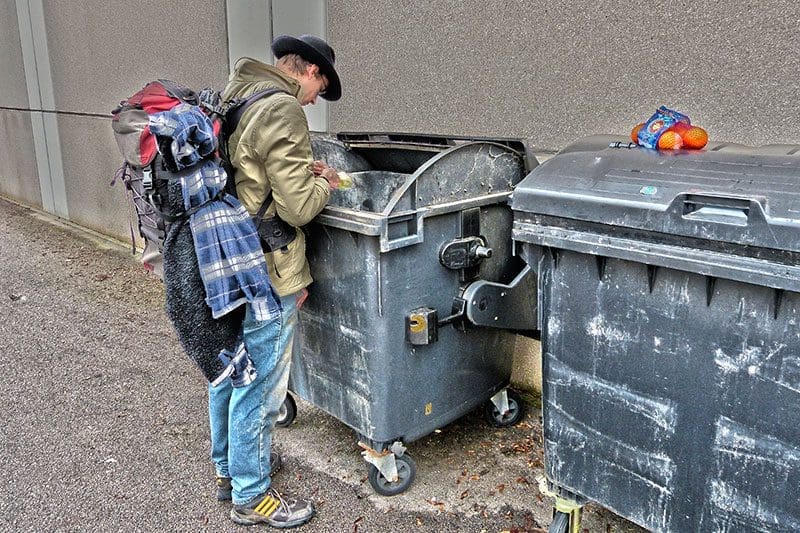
(726, 193)
(399, 180)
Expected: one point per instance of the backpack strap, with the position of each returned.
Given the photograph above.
(274, 233)
(232, 117)
(263, 209)
(230, 120)
(235, 112)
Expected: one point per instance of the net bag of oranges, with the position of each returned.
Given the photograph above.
(669, 130)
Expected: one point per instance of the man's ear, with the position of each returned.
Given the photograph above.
(312, 70)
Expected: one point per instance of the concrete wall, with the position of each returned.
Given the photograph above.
(526, 373)
(555, 71)
(96, 59)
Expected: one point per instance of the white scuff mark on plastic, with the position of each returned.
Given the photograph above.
(598, 328)
(790, 373)
(358, 404)
(661, 411)
(349, 399)
(753, 360)
(653, 469)
(555, 460)
(657, 502)
(553, 325)
(651, 466)
(739, 362)
(735, 503)
(350, 332)
(747, 444)
(774, 350)
(685, 297)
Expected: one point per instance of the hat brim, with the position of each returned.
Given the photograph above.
(287, 44)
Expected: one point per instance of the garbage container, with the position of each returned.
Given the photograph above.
(415, 291)
(669, 292)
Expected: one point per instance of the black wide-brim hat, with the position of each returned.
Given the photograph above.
(315, 50)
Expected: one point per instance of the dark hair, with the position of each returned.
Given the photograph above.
(295, 63)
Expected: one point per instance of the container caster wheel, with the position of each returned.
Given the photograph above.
(406, 470)
(560, 523)
(511, 417)
(287, 412)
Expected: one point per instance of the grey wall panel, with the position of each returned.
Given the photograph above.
(18, 178)
(13, 91)
(18, 171)
(90, 160)
(101, 51)
(249, 30)
(298, 17)
(552, 72)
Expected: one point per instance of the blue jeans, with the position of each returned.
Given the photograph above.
(242, 418)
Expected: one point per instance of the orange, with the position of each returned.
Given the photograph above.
(680, 128)
(669, 140)
(696, 137)
(635, 132)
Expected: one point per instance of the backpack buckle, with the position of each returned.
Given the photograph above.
(147, 179)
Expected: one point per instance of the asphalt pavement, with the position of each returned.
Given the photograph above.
(104, 423)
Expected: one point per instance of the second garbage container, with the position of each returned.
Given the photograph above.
(670, 303)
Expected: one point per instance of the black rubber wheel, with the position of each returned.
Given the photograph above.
(516, 409)
(560, 523)
(287, 413)
(406, 470)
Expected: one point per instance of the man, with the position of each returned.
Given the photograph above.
(271, 152)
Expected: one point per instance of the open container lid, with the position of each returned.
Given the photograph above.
(400, 179)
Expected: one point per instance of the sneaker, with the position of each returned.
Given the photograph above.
(272, 509)
(224, 487)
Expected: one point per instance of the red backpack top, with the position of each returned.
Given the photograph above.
(130, 119)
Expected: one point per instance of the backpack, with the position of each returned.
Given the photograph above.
(145, 174)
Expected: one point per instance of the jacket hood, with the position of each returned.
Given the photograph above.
(250, 75)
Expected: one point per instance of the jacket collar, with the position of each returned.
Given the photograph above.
(250, 75)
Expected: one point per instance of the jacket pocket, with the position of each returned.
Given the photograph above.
(290, 259)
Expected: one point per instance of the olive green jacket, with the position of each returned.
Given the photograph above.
(271, 150)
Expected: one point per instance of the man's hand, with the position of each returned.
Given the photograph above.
(319, 168)
(302, 297)
(332, 176)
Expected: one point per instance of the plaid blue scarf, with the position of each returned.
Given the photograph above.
(228, 248)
